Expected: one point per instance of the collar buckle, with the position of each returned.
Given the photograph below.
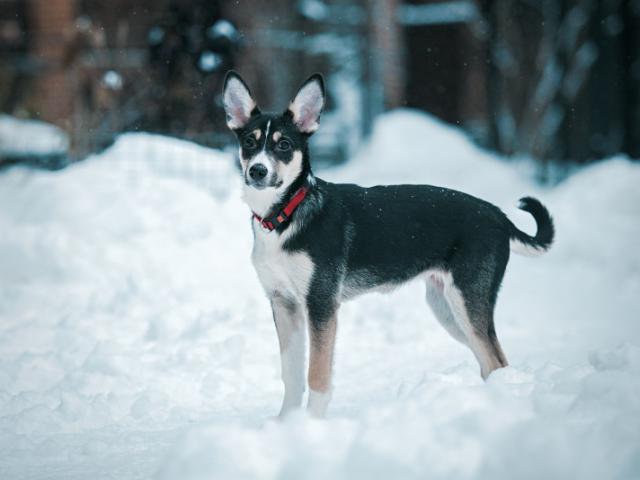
(266, 226)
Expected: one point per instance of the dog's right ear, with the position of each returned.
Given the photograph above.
(238, 103)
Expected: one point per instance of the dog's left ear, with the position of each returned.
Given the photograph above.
(307, 105)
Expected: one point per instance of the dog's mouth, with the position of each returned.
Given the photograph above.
(262, 184)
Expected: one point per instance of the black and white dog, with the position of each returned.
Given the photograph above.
(318, 243)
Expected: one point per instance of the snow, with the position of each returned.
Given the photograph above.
(137, 343)
(112, 80)
(22, 138)
(209, 61)
(223, 28)
(314, 9)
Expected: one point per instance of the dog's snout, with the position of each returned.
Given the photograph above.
(258, 171)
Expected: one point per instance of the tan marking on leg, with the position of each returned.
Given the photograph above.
(320, 367)
(479, 345)
(321, 356)
(482, 349)
(499, 352)
(276, 136)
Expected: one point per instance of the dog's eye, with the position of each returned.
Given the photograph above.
(249, 143)
(283, 145)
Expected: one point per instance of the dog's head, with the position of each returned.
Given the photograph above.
(273, 147)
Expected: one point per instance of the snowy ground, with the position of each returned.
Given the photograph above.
(136, 343)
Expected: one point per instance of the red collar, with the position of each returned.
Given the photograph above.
(271, 222)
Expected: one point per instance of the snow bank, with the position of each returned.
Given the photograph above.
(410, 147)
(136, 341)
(22, 138)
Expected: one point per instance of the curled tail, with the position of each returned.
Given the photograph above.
(525, 244)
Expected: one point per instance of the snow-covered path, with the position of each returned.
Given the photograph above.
(136, 342)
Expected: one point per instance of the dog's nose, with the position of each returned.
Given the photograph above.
(258, 171)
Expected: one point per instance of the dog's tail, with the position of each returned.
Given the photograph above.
(525, 244)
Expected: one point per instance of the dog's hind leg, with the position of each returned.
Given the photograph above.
(289, 318)
(474, 316)
(322, 333)
(440, 307)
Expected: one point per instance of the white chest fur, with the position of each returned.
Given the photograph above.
(288, 273)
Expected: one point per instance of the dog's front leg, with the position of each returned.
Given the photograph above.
(289, 318)
(322, 333)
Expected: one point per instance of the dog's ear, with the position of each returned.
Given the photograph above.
(238, 103)
(307, 105)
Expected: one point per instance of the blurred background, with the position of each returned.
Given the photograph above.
(136, 341)
(553, 80)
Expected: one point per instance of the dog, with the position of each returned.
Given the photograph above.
(317, 244)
